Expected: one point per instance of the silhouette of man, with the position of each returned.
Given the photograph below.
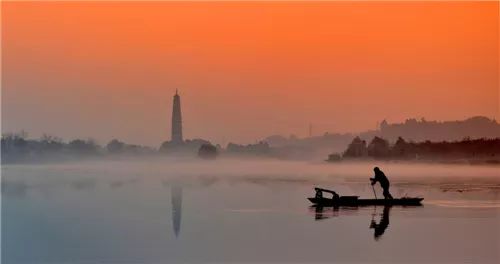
(319, 194)
(384, 182)
(382, 226)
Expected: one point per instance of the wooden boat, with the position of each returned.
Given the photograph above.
(337, 200)
(354, 201)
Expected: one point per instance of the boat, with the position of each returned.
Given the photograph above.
(342, 201)
(337, 200)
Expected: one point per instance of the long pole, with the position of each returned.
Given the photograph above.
(373, 188)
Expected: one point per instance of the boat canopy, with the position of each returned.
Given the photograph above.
(324, 190)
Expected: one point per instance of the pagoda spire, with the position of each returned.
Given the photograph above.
(176, 136)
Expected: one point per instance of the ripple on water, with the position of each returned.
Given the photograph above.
(465, 203)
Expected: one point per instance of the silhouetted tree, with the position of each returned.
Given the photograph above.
(378, 148)
(261, 148)
(50, 143)
(115, 146)
(480, 150)
(357, 148)
(83, 147)
(189, 146)
(401, 149)
(207, 151)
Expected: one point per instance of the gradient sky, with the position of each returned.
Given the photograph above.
(245, 70)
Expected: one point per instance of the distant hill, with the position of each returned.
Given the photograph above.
(412, 130)
(309, 147)
(422, 130)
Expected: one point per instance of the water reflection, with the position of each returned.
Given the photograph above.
(176, 195)
(121, 183)
(15, 189)
(321, 213)
(382, 225)
(84, 184)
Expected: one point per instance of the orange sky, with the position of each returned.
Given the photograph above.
(245, 70)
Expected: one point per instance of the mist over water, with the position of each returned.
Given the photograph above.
(234, 210)
(347, 178)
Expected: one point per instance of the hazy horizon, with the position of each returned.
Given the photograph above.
(244, 70)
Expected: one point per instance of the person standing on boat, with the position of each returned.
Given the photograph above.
(384, 182)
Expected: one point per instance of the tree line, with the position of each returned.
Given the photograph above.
(380, 148)
(16, 147)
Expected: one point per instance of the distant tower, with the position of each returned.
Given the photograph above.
(176, 120)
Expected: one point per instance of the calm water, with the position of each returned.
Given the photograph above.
(235, 211)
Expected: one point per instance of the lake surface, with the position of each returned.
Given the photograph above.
(232, 211)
